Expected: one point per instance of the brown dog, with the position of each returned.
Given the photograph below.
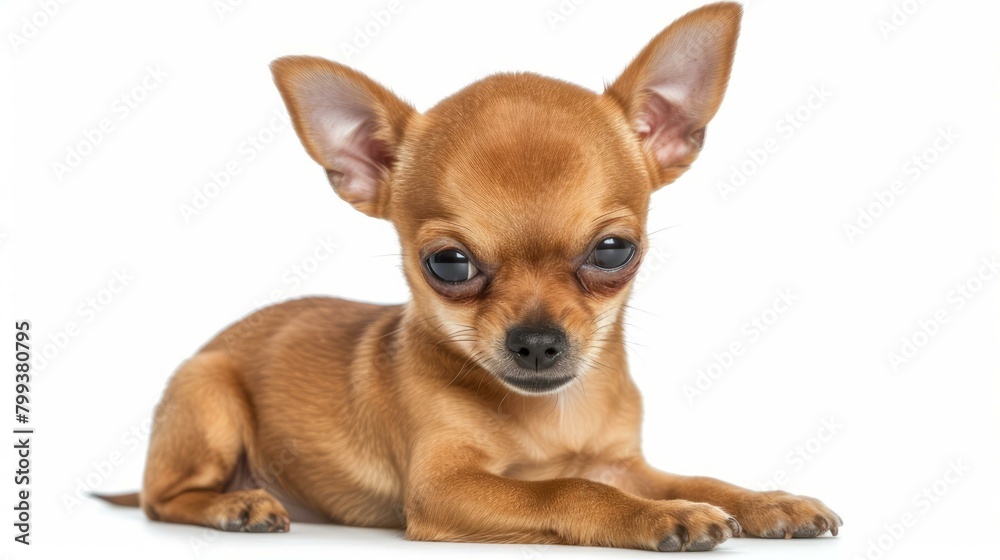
(520, 204)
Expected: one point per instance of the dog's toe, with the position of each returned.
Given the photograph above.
(252, 511)
(779, 515)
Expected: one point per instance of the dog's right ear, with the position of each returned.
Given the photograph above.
(348, 123)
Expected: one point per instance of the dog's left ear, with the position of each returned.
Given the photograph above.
(674, 87)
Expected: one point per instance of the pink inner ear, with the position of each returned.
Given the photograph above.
(665, 131)
(342, 129)
(679, 82)
(358, 161)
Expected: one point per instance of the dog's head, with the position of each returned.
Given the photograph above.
(520, 201)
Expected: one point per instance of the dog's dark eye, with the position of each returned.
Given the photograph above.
(612, 253)
(451, 266)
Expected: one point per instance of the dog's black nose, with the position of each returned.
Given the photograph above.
(536, 348)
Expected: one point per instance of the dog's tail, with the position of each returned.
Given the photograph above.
(127, 500)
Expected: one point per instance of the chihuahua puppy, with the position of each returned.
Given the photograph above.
(521, 207)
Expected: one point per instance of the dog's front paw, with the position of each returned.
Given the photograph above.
(693, 526)
(778, 514)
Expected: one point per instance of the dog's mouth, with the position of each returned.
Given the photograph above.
(535, 384)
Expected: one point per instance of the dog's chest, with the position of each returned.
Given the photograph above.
(567, 445)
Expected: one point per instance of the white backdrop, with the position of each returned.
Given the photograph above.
(153, 193)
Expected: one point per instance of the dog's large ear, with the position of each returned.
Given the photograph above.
(674, 87)
(348, 123)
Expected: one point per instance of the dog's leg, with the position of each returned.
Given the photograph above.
(202, 428)
(774, 514)
(474, 505)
